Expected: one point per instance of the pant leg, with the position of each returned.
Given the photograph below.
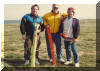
(57, 40)
(38, 45)
(48, 46)
(68, 51)
(75, 53)
(27, 48)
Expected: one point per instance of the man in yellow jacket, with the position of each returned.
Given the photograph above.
(53, 20)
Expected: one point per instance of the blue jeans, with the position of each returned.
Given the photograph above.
(57, 40)
(71, 46)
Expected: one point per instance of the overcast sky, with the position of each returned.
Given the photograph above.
(16, 11)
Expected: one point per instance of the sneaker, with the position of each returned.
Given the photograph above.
(60, 60)
(50, 60)
(77, 64)
(68, 62)
(26, 62)
(37, 62)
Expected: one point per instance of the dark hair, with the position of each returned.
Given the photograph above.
(73, 12)
(35, 5)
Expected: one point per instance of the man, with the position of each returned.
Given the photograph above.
(27, 28)
(70, 32)
(53, 20)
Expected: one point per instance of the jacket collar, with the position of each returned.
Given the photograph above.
(53, 13)
(33, 15)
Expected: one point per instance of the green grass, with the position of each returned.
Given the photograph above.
(14, 46)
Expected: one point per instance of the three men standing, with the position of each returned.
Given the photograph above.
(52, 20)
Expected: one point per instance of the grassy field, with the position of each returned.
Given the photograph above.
(14, 50)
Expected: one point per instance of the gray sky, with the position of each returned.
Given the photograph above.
(16, 11)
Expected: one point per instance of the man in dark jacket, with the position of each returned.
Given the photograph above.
(70, 29)
(27, 28)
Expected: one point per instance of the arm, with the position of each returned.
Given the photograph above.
(42, 25)
(22, 28)
(64, 15)
(44, 21)
(77, 29)
(61, 31)
(61, 25)
(61, 28)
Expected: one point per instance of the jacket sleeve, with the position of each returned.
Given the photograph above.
(42, 25)
(64, 15)
(44, 21)
(61, 28)
(22, 26)
(77, 29)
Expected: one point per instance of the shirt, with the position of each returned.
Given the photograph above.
(68, 29)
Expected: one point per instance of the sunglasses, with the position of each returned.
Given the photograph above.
(55, 7)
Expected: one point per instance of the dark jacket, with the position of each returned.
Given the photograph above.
(28, 24)
(75, 25)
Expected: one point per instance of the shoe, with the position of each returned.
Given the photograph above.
(50, 60)
(26, 62)
(77, 64)
(37, 62)
(68, 62)
(61, 60)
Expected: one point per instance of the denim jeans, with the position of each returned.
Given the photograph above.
(57, 40)
(71, 46)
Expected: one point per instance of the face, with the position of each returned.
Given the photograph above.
(55, 8)
(35, 10)
(70, 13)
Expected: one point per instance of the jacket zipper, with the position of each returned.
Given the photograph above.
(54, 24)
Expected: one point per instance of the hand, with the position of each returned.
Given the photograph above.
(24, 37)
(35, 33)
(47, 26)
(60, 34)
(74, 40)
(64, 35)
(38, 31)
(62, 18)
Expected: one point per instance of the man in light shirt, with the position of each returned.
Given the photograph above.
(70, 30)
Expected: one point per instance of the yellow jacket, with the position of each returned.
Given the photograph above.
(54, 21)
